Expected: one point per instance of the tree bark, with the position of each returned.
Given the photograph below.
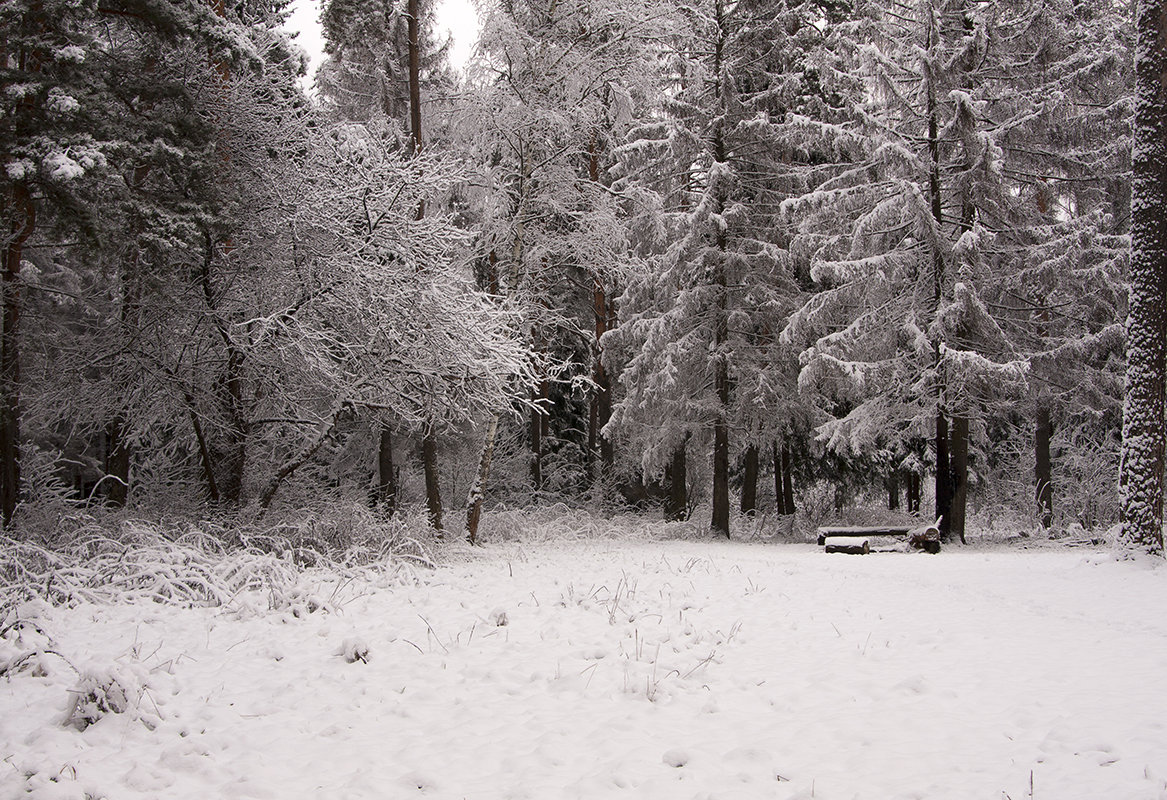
(204, 451)
(943, 476)
(749, 500)
(678, 505)
(229, 390)
(433, 490)
(1043, 470)
(943, 467)
(413, 31)
(386, 472)
(779, 497)
(959, 464)
(117, 462)
(599, 448)
(720, 518)
(913, 493)
(535, 439)
(478, 490)
(22, 210)
(1141, 473)
(893, 491)
(787, 481)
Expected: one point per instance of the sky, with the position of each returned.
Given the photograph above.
(456, 16)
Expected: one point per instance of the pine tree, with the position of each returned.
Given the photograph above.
(715, 167)
(1141, 479)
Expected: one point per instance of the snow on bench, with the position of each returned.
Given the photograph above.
(856, 538)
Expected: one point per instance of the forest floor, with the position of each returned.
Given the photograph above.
(617, 667)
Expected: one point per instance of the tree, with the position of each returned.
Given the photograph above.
(943, 162)
(48, 153)
(712, 167)
(1141, 478)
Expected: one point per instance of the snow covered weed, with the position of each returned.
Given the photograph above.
(292, 561)
(109, 689)
(562, 523)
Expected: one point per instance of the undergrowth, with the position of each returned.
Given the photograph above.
(94, 555)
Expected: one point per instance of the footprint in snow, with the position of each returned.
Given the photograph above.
(676, 758)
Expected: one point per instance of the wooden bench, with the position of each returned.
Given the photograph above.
(855, 538)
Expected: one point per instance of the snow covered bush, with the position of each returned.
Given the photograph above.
(107, 690)
(354, 649)
(108, 557)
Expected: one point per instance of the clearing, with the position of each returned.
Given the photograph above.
(621, 668)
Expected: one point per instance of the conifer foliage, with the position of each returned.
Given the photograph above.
(641, 252)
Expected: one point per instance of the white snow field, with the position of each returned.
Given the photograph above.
(623, 669)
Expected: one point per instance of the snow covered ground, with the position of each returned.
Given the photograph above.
(639, 669)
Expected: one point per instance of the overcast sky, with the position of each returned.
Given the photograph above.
(457, 16)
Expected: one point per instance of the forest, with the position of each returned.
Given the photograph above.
(711, 259)
(418, 429)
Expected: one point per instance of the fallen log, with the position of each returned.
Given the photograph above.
(848, 545)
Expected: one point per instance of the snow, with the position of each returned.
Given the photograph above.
(617, 668)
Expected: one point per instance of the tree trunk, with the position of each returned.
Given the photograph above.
(229, 390)
(204, 451)
(433, 490)
(21, 208)
(413, 31)
(787, 481)
(913, 493)
(959, 463)
(943, 476)
(386, 472)
(599, 448)
(749, 502)
(893, 491)
(1043, 471)
(1141, 475)
(779, 497)
(720, 520)
(478, 490)
(678, 505)
(535, 439)
(119, 452)
(117, 462)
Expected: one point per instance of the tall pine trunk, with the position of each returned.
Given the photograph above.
(600, 453)
(959, 463)
(535, 438)
(943, 466)
(893, 491)
(1043, 465)
(117, 461)
(1141, 473)
(678, 504)
(749, 500)
(720, 518)
(433, 489)
(386, 472)
(20, 208)
(779, 498)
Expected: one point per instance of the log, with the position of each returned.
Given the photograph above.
(860, 531)
(850, 546)
(926, 538)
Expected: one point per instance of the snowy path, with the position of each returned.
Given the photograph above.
(639, 670)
